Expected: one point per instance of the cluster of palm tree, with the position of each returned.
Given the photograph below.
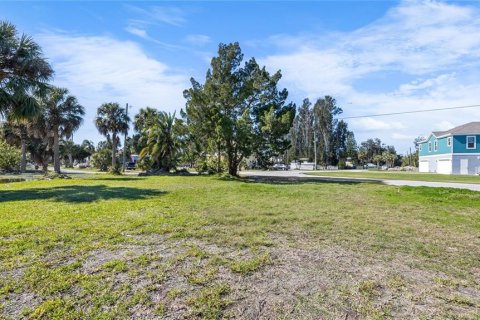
(157, 140)
(38, 115)
(161, 141)
(112, 121)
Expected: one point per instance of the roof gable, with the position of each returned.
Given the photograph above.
(468, 128)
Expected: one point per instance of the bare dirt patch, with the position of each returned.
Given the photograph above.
(298, 280)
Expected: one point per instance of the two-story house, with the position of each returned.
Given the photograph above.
(455, 151)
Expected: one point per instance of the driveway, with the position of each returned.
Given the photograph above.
(292, 175)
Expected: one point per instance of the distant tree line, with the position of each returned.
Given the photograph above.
(317, 124)
(237, 117)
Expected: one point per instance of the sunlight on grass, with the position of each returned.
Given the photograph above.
(117, 247)
(412, 176)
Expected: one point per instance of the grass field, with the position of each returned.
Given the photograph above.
(204, 247)
(414, 176)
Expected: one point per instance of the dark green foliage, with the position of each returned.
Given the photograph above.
(302, 133)
(318, 122)
(23, 72)
(9, 157)
(374, 151)
(111, 121)
(71, 151)
(161, 140)
(102, 159)
(238, 111)
(63, 116)
(142, 120)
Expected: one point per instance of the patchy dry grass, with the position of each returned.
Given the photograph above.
(200, 247)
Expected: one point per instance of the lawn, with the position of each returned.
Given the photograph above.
(108, 247)
(414, 176)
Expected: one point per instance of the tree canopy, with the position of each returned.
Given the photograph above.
(112, 120)
(23, 72)
(239, 111)
(64, 115)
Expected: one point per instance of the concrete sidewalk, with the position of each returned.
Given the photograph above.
(292, 175)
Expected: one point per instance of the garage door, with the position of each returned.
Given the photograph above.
(423, 166)
(444, 166)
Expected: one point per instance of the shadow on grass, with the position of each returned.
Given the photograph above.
(79, 194)
(296, 180)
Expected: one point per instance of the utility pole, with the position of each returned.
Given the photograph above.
(315, 150)
(314, 142)
(125, 144)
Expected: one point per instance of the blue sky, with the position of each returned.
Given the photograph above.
(372, 56)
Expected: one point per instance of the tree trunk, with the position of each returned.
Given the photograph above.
(23, 141)
(45, 167)
(219, 158)
(232, 159)
(70, 159)
(232, 166)
(114, 150)
(23, 163)
(56, 150)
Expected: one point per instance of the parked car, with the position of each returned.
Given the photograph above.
(280, 166)
(131, 166)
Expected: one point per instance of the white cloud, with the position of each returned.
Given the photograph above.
(170, 15)
(100, 69)
(419, 55)
(370, 124)
(400, 136)
(137, 31)
(418, 84)
(197, 39)
(444, 125)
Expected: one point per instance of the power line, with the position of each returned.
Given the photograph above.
(408, 112)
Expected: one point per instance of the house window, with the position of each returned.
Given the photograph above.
(435, 145)
(471, 142)
(420, 146)
(449, 142)
(429, 147)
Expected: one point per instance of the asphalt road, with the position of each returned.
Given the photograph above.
(293, 175)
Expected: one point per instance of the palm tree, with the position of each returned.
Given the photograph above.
(88, 146)
(144, 118)
(112, 119)
(64, 116)
(33, 136)
(378, 158)
(40, 141)
(87, 149)
(20, 115)
(23, 74)
(162, 143)
(23, 71)
(67, 148)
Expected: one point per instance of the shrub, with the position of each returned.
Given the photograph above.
(145, 163)
(116, 170)
(10, 157)
(209, 165)
(102, 159)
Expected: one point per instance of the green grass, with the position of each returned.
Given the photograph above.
(107, 247)
(414, 176)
